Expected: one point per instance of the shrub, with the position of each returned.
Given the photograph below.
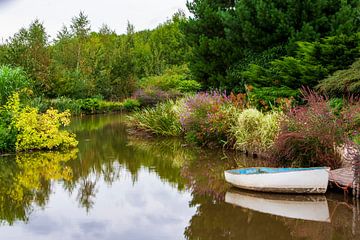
(336, 104)
(188, 86)
(342, 82)
(312, 62)
(7, 139)
(310, 134)
(11, 80)
(268, 98)
(177, 78)
(150, 97)
(90, 105)
(255, 131)
(350, 115)
(131, 104)
(207, 117)
(33, 130)
(42, 131)
(63, 103)
(163, 119)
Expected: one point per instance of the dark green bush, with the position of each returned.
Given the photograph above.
(342, 82)
(312, 62)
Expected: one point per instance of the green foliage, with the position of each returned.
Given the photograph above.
(312, 62)
(7, 138)
(131, 104)
(336, 105)
(163, 119)
(28, 49)
(90, 105)
(188, 86)
(82, 64)
(108, 107)
(12, 80)
(173, 79)
(232, 34)
(342, 82)
(255, 131)
(212, 53)
(63, 104)
(267, 98)
(78, 106)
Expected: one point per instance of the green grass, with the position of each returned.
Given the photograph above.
(162, 119)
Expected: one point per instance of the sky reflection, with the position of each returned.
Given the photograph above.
(149, 209)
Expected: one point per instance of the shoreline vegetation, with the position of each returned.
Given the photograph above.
(307, 135)
(275, 84)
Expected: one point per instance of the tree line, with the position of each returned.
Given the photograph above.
(80, 63)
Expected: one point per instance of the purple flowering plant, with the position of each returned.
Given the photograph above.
(204, 117)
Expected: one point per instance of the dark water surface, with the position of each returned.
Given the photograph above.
(116, 186)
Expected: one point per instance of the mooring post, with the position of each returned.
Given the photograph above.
(355, 155)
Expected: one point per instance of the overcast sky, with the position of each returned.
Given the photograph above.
(144, 14)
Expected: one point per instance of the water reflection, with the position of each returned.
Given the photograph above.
(25, 181)
(116, 186)
(306, 207)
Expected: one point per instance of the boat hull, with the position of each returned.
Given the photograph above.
(307, 181)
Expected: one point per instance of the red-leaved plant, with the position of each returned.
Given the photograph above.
(311, 134)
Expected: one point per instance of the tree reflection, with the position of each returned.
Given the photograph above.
(87, 194)
(25, 181)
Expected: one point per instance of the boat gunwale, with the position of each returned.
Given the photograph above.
(232, 171)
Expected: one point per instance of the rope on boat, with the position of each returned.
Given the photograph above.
(344, 188)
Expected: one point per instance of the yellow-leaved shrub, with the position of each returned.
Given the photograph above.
(39, 131)
(43, 131)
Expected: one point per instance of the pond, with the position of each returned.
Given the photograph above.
(117, 186)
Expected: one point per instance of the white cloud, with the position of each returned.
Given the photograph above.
(143, 14)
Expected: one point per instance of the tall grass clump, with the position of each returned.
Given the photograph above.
(255, 131)
(163, 119)
(311, 133)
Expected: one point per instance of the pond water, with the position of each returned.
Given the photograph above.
(117, 186)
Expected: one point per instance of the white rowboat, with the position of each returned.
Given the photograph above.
(280, 180)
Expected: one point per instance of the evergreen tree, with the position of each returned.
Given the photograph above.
(228, 35)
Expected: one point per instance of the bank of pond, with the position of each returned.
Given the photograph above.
(178, 191)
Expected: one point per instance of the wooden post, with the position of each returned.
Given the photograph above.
(354, 151)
